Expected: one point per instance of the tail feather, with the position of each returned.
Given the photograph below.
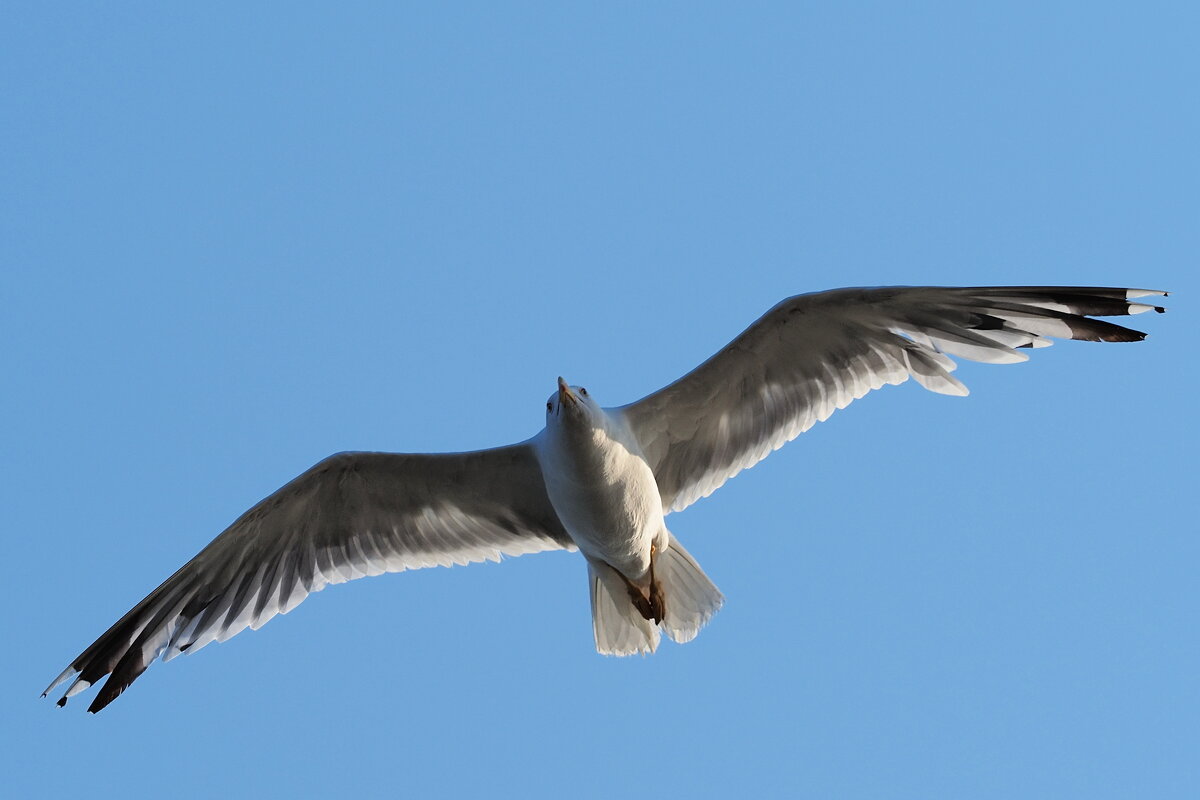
(618, 626)
(690, 600)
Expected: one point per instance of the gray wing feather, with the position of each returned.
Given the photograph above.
(815, 353)
(350, 516)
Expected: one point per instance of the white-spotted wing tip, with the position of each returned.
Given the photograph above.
(64, 676)
(1142, 308)
(1131, 294)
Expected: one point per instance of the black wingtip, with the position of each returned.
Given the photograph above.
(62, 702)
(1160, 309)
(111, 691)
(101, 700)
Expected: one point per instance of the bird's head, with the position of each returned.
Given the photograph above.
(571, 405)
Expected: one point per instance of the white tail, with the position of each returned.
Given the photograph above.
(689, 598)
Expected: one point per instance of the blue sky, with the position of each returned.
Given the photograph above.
(239, 239)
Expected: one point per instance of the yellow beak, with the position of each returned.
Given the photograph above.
(564, 391)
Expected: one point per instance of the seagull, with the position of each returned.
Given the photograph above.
(595, 480)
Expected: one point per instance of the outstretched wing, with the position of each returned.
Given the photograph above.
(351, 515)
(815, 353)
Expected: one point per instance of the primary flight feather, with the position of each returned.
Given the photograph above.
(595, 479)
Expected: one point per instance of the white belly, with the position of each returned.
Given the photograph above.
(607, 498)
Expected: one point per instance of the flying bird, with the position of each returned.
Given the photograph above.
(600, 480)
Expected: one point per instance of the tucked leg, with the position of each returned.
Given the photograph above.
(650, 607)
(640, 601)
(658, 603)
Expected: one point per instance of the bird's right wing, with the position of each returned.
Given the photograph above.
(815, 353)
(351, 515)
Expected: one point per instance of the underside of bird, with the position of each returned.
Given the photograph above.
(359, 514)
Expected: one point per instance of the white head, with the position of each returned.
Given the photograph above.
(571, 405)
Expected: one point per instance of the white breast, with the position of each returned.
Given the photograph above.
(603, 491)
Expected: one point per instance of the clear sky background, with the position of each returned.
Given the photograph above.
(236, 240)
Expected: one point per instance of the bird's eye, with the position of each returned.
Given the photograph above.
(549, 405)
(583, 391)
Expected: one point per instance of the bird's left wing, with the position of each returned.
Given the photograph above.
(815, 353)
(351, 515)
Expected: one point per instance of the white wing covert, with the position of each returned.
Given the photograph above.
(349, 516)
(815, 353)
